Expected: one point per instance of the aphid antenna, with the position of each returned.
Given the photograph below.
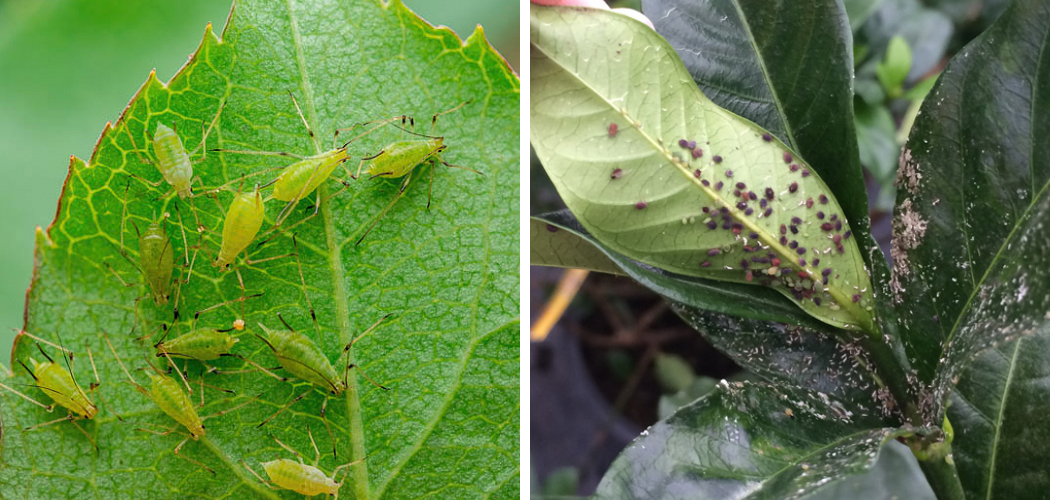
(378, 124)
(285, 407)
(206, 132)
(253, 363)
(302, 281)
(241, 299)
(257, 476)
(176, 368)
(416, 133)
(135, 148)
(230, 410)
(42, 341)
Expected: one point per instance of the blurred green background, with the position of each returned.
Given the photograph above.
(69, 66)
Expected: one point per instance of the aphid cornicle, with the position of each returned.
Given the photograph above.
(400, 158)
(242, 223)
(58, 383)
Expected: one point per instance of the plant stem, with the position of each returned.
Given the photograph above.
(890, 370)
(943, 479)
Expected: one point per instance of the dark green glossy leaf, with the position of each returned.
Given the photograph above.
(999, 413)
(448, 353)
(970, 259)
(756, 59)
(551, 246)
(649, 191)
(895, 476)
(729, 298)
(746, 441)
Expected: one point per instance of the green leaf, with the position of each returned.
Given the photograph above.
(878, 149)
(999, 411)
(756, 60)
(925, 30)
(550, 246)
(893, 69)
(746, 441)
(641, 193)
(729, 298)
(448, 275)
(970, 260)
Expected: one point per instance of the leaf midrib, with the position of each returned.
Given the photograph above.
(353, 404)
(844, 301)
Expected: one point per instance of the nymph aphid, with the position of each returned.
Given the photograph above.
(300, 477)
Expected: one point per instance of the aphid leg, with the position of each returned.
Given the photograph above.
(253, 363)
(378, 217)
(285, 407)
(205, 133)
(301, 117)
(188, 459)
(346, 352)
(233, 409)
(331, 437)
(135, 147)
(377, 125)
(302, 281)
(124, 368)
(71, 419)
(257, 476)
(292, 450)
(48, 408)
(177, 370)
(434, 119)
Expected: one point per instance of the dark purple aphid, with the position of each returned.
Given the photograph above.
(697, 153)
(705, 182)
(793, 167)
(552, 229)
(826, 226)
(714, 251)
(749, 211)
(712, 225)
(683, 143)
(613, 129)
(741, 205)
(847, 234)
(768, 212)
(717, 159)
(838, 225)
(769, 194)
(793, 244)
(816, 262)
(737, 227)
(802, 262)
(801, 250)
(744, 264)
(783, 240)
(767, 137)
(753, 236)
(706, 210)
(793, 187)
(816, 300)
(805, 172)
(856, 297)
(787, 157)
(691, 145)
(794, 230)
(705, 263)
(820, 215)
(826, 272)
(762, 203)
(936, 318)
(741, 185)
(796, 221)
(723, 210)
(823, 200)
(729, 173)
(718, 185)
(640, 205)
(760, 260)
(837, 239)
(809, 203)
(834, 217)
(696, 173)
(616, 174)
(751, 195)
(725, 225)
(736, 192)
(783, 229)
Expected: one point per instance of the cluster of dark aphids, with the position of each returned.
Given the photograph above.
(296, 353)
(765, 256)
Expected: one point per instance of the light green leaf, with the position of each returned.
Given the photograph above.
(642, 194)
(448, 275)
(894, 67)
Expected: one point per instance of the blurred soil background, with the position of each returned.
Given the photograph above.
(69, 66)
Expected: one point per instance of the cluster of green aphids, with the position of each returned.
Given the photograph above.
(296, 353)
